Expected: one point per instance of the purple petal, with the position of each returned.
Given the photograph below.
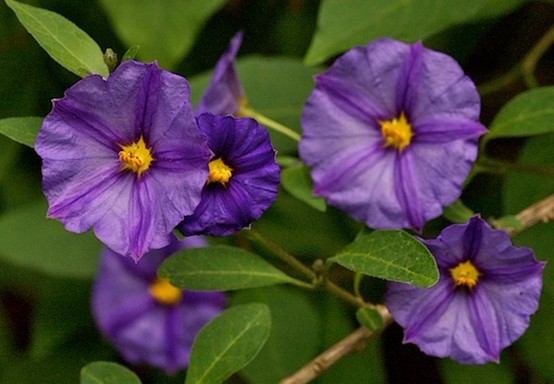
(479, 321)
(442, 88)
(83, 178)
(343, 143)
(408, 81)
(245, 147)
(143, 330)
(224, 93)
(446, 128)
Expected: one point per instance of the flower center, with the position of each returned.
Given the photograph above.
(219, 172)
(136, 156)
(465, 274)
(164, 292)
(396, 132)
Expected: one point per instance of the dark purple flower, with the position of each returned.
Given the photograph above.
(243, 176)
(224, 94)
(125, 156)
(147, 319)
(486, 292)
(391, 133)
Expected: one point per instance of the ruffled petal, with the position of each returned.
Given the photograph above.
(481, 319)
(86, 183)
(244, 146)
(441, 88)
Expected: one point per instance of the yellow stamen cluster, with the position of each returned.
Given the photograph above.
(164, 292)
(219, 172)
(397, 132)
(136, 156)
(465, 274)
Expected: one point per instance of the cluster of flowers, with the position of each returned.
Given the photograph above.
(390, 131)
(129, 156)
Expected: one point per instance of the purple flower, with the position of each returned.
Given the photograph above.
(243, 176)
(147, 319)
(486, 292)
(224, 94)
(391, 133)
(125, 156)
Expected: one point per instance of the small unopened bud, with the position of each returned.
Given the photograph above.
(110, 58)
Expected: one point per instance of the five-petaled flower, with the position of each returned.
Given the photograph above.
(125, 156)
(391, 133)
(483, 300)
(243, 176)
(146, 318)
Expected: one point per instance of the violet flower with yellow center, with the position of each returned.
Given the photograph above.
(486, 293)
(146, 318)
(390, 132)
(124, 155)
(243, 176)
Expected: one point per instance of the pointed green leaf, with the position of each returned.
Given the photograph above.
(228, 343)
(45, 246)
(390, 255)
(130, 53)
(529, 113)
(66, 43)
(343, 24)
(369, 318)
(297, 181)
(105, 372)
(165, 30)
(219, 268)
(21, 129)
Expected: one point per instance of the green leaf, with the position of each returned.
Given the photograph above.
(21, 129)
(66, 43)
(390, 255)
(529, 113)
(165, 30)
(105, 372)
(457, 212)
(228, 343)
(43, 245)
(343, 24)
(219, 268)
(369, 318)
(297, 181)
(293, 340)
(131, 53)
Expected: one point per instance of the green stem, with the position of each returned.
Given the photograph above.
(306, 271)
(266, 121)
(532, 58)
(525, 69)
(485, 164)
(282, 254)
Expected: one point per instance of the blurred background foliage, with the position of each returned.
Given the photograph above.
(47, 333)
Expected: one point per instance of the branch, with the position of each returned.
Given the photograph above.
(541, 211)
(356, 341)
